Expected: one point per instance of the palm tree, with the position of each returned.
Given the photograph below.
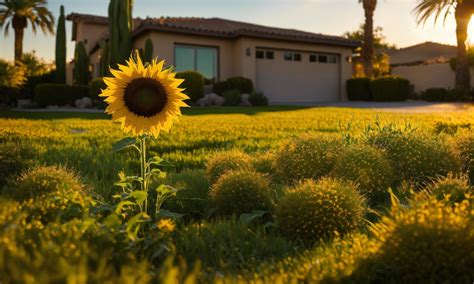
(463, 10)
(368, 46)
(18, 13)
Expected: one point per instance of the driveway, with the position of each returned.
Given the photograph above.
(405, 107)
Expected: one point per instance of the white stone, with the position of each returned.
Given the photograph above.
(245, 100)
(212, 97)
(23, 103)
(78, 103)
(86, 102)
(219, 101)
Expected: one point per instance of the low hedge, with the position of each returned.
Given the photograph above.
(358, 89)
(435, 95)
(390, 89)
(59, 94)
(242, 84)
(95, 88)
(193, 84)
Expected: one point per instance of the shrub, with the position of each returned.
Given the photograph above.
(416, 157)
(232, 97)
(427, 241)
(50, 193)
(8, 96)
(264, 163)
(31, 82)
(435, 95)
(243, 85)
(358, 89)
(312, 211)
(223, 162)
(452, 189)
(59, 94)
(464, 144)
(306, 157)
(14, 159)
(230, 245)
(220, 87)
(258, 99)
(369, 169)
(95, 89)
(193, 83)
(386, 89)
(241, 191)
(192, 197)
(11, 75)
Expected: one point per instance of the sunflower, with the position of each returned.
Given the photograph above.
(146, 99)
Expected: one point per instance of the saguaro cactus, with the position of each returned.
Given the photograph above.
(61, 49)
(120, 28)
(148, 54)
(81, 65)
(104, 55)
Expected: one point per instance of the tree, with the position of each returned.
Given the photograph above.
(61, 49)
(463, 10)
(120, 29)
(18, 13)
(368, 47)
(81, 65)
(380, 59)
(34, 66)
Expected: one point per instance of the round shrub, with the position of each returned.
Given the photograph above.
(242, 84)
(258, 99)
(427, 242)
(306, 157)
(223, 162)
(415, 157)
(242, 191)
(95, 88)
(264, 163)
(464, 144)
(315, 210)
(50, 193)
(193, 84)
(451, 189)
(232, 97)
(389, 89)
(369, 169)
(358, 89)
(14, 159)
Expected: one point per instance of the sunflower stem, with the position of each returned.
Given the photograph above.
(144, 183)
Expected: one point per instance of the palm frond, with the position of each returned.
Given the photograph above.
(426, 9)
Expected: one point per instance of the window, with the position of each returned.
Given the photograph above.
(296, 56)
(270, 55)
(288, 56)
(260, 54)
(323, 58)
(196, 58)
(313, 58)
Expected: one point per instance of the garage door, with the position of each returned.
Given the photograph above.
(288, 77)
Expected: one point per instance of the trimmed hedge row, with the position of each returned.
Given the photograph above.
(59, 94)
(443, 95)
(243, 85)
(383, 89)
(193, 84)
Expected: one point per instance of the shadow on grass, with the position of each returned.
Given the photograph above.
(193, 111)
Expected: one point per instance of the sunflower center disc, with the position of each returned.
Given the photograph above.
(145, 97)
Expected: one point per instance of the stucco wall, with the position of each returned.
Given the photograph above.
(429, 76)
(91, 33)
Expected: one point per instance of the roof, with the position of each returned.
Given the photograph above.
(423, 53)
(222, 28)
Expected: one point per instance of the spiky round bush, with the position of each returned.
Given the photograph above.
(416, 157)
(316, 210)
(50, 193)
(306, 157)
(223, 162)
(368, 168)
(264, 163)
(428, 241)
(451, 189)
(241, 191)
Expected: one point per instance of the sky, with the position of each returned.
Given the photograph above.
(332, 17)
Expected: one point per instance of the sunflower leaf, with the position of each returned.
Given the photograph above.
(124, 143)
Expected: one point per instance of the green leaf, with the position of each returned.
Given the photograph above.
(166, 190)
(163, 213)
(124, 143)
(133, 225)
(248, 218)
(112, 221)
(119, 207)
(139, 195)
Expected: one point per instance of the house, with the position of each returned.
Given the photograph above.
(288, 66)
(426, 65)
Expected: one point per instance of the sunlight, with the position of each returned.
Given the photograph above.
(470, 33)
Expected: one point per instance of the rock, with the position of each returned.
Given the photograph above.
(24, 103)
(86, 102)
(212, 97)
(245, 100)
(219, 101)
(78, 103)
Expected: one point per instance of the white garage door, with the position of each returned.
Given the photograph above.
(289, 77)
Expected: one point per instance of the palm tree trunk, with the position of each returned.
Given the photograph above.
(463, 15)
(368, 47)
(18, 43)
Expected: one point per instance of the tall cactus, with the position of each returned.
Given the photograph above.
(81, 65)
(104, 48)
(120, 28)
(61, 49)
(148, 53)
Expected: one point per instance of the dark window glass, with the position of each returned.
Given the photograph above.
(270, 55)
(333, 59)
(323, 58)
(288, 56)
(260, 54)
(297, 57)
(313, 58)
(195, 58)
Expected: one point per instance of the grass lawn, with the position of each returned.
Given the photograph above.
(82, 142)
